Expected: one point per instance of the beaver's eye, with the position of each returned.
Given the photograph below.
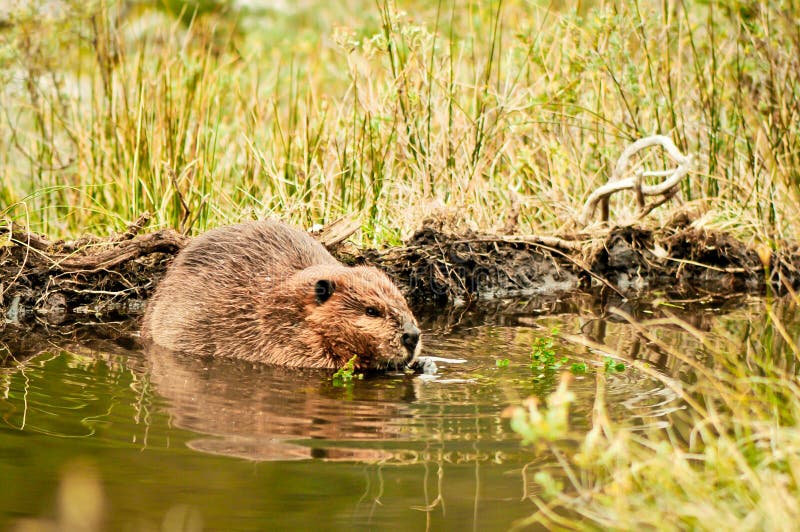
(372, 312)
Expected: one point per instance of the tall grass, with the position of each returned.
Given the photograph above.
(728, 459)
(111, 108)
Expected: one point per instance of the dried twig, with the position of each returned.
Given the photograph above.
(165, 241)
(134, 229)
(536, 240)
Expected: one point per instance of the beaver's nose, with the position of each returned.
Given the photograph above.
(410, 336)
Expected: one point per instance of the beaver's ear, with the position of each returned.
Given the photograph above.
(323, 290)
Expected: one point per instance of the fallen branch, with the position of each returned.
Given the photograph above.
(162, 241)
(20, 235)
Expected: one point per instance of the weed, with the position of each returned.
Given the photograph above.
(718, 460)
(612, 365)
(346, 373)
(535, 423)
(578, 368)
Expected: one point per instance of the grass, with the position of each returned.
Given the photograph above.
(728, 459)
(465, 111)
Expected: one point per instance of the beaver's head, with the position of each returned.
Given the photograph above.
(359, 311)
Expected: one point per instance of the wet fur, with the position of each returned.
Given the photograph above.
(251, 292)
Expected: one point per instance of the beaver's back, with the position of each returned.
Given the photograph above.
(252, 249)
(211, 284)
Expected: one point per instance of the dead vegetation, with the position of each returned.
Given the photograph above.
(95, 279)
(90, 278)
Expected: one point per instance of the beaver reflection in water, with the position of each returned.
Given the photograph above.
(263, 291)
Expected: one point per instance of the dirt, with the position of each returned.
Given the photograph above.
(90, 279)
(98, 280)
(452, 268)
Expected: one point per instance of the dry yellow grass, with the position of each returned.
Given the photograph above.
(391, 111)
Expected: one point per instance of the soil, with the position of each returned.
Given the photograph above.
(98, 280)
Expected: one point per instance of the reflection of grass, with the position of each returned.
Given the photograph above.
(728, 460)
(321, 111)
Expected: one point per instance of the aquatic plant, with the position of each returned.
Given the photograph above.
(578, 368)
(543, 356)
(612, 365)
(347, 373)
(544, 359)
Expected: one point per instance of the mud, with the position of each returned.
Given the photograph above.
(99, 280)
(90, 279)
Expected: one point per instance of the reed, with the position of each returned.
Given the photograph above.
(469, 111)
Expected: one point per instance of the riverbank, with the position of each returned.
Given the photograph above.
(99, 279)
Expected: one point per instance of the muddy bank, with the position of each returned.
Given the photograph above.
(88, 279)
(94, 279)
(678, 260)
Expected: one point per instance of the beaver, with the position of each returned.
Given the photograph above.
(263, 291)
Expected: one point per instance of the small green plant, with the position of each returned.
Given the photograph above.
(612, 365)
(543, 355)
(543, 352)
(502, 362)
(346, 373)
(578, 368)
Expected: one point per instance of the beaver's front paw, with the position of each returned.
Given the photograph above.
(424, 365)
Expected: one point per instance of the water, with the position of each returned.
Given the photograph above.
(174, 443)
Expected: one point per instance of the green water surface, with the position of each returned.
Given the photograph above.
(180, 443)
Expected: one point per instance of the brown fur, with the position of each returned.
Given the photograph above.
(251, 291)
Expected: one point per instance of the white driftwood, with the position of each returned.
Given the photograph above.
(666, 188)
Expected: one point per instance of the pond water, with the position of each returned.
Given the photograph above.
(162, 442)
